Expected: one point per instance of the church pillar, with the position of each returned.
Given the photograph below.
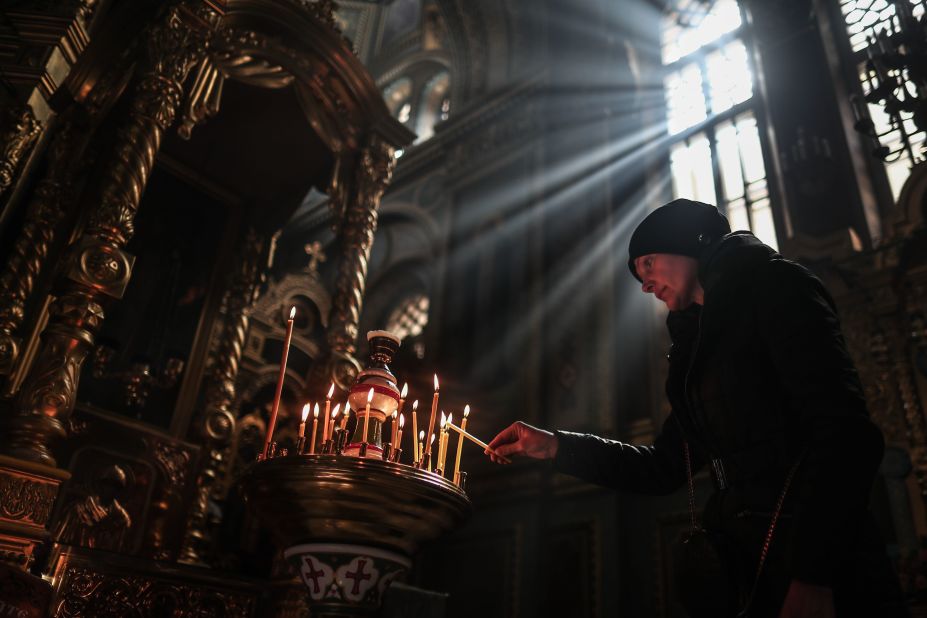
(98, 265)
(360, 224)
(216, 425)
(802, 87)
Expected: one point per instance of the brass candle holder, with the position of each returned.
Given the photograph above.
(349, 525)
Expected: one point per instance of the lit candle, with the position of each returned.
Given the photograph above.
(331, 432)
(280, 376)
(402, 423)
(438, 465)
(416, 453)
(463, 426)
(367, 412)
(347, 415)
(420, 442)
(444, 440)
(428, 449)
(394, 428)
(315, 425)
(431, 421)
(302, 424)
(402, 396)
(327, 428)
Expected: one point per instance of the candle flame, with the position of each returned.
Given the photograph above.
(370, 395)
(443, 419)
(450, 420)
(331, 391)
(466, 410)
(306, 411)
(436, 381)
(432, 441)
(315, 412)
(347, 407)
(293, 312)
(337, 407)
(395, 412)
(405, 390)
(415, 405)
(402, 421)
(421, 435)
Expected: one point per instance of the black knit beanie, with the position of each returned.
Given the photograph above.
(682, 227)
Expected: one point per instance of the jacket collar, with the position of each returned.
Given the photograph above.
(729, 257)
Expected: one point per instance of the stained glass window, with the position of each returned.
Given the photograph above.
(717, 155)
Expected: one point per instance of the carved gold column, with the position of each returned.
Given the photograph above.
(98, 266)
(18, 130)
(216, 426)
(360, 225)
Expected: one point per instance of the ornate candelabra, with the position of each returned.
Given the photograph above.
(351, 519)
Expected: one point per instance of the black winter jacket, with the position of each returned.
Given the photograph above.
(758, 377)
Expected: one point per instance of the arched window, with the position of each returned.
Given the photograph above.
(398, 97)
(434, 105)
(421, 98)
(409, 318)
(716, 154)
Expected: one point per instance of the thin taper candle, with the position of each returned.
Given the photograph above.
(394, 427)
(463, 426)
(331, 431)
(438, 465)
(416, 454)
(347, 415)
(302, 423)
(315, 426)
(420, 442)
(431, 420)
(327, 429)
(367, 414)
(280, 377)
(402, 423)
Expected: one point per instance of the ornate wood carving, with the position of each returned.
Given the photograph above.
(98, 265)
(216, 425)
(18, 131)
(86, 591)
(360, 224)
(26, 499)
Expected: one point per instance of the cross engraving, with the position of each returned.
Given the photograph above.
(310, 573)
(359, 576)
(316, 255)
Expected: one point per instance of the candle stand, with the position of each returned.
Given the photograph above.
(348, 525)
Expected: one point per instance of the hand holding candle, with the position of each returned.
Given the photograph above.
(485, 446)
(280, 377)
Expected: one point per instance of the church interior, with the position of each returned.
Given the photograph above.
(463, 175)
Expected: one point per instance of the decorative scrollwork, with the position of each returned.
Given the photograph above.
(89, 592)
(26, 500)
(18, 131)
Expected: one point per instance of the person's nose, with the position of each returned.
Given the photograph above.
(647, 287)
